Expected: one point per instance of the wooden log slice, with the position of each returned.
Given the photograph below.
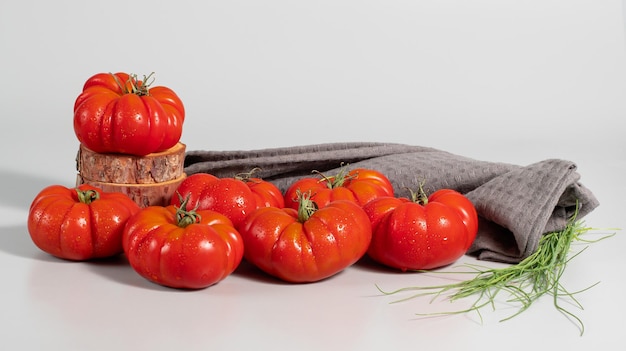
(144, 195)
(129, 169)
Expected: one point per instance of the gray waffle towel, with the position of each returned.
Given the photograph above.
(516, 204)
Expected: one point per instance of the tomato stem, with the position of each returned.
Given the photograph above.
(246, 176)
(186, 217)
(306, 206)
(140, 87)
(87, 196)
(419, 196)
(339, 179)
(137, 87)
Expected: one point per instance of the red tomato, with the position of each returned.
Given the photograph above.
(116, 113)
(228, 196)
(358, 185)
(79, 223)
(306, 245)
(234, 197)
(409, 235)
(182, 249)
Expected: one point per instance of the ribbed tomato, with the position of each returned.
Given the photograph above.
(422, 233)
(358, 185)
(307, 245)
(117, 113)
(181, 248)
(79, 223)
(233, 197)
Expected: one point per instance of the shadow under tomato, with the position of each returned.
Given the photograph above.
(366, 263)
(248, 270)
(118, 269)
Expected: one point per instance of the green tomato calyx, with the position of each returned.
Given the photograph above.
(247, 176)
(186, 217)
(134, 85)
(339, 179)
(306, 206)
(87, 196)
(419, 196)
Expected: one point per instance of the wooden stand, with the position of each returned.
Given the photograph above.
(149, 180)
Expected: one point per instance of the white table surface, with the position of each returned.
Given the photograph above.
(507, 81)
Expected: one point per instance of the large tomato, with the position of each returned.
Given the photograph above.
(178, 248)
(308, 244)
(422, 233)
(117, 113)
(233, 197)
(79, 223)
(359, 185)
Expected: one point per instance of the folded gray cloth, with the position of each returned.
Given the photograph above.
(516, 204)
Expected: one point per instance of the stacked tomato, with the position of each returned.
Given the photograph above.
(119, 113)
(317, 228)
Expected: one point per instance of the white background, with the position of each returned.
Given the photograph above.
(510, 81)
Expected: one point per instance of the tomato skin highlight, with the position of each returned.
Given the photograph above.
(192, 257)
(407, 235)
(358, 185)
(130, 119)
(63, 226)
(330, 240)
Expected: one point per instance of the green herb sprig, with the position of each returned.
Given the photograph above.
(537, 275)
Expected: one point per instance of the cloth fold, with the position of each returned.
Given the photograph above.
(516, 204)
